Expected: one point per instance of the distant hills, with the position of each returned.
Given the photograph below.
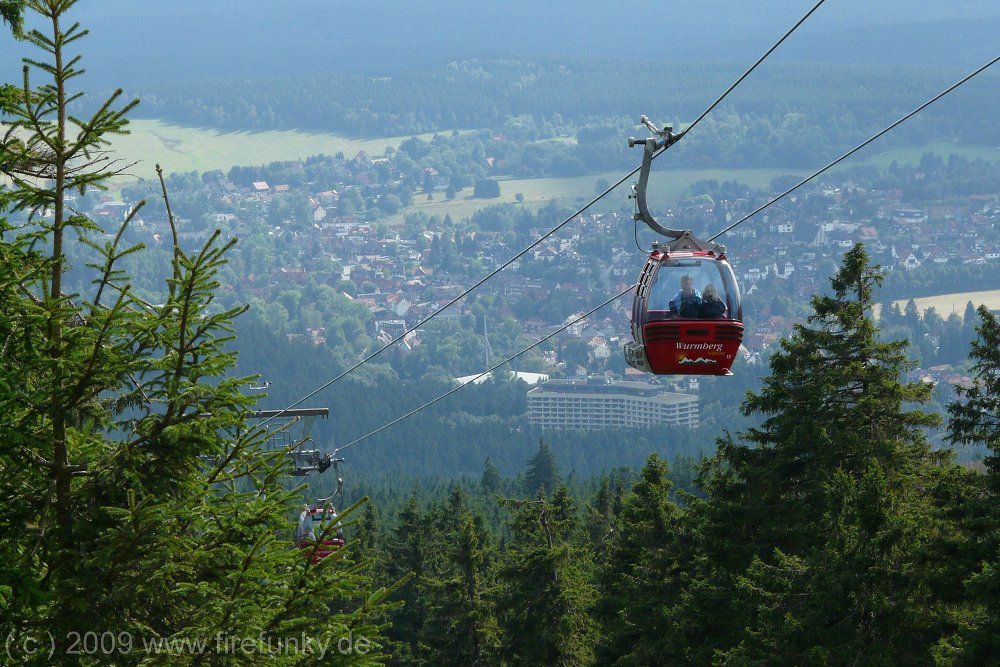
(139, 41)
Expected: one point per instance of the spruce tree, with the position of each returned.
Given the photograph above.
(459, 625)
(366, 542)
(405, 556)
(807, 529)
(975, 416)
(547, 597)
(639, 581)
(490, 480)
(601, 520)
(975, 420)
(543, 471)
(140, 505)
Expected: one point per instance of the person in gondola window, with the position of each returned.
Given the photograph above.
(711, 304)
(687, 300)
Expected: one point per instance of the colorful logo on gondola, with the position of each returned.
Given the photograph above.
(682, 359)
(711, 349)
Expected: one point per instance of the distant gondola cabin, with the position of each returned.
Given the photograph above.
(319, 532)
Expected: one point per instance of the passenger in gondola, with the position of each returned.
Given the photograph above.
(687, 301)
(711, 304)
(339, 534)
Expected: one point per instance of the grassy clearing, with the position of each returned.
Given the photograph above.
(946, 304)
(536, 192)
(183, 149)
(665, 188)
(912, 154)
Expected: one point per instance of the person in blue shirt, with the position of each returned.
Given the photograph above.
(687, 300)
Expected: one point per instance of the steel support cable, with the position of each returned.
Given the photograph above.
(859, 146)
(486, 372)
(552, 231)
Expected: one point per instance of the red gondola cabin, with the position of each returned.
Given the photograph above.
(686, 316)
(319, 523)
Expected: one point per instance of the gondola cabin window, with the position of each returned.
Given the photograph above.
(690, 289)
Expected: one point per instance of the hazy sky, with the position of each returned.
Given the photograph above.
(147, 40)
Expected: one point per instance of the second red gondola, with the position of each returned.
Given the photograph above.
(319, 533)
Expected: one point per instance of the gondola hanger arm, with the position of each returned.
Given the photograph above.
(662, 139)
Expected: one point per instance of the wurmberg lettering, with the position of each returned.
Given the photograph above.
(717, 347)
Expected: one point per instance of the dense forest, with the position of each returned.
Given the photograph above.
(831, 533)
(794, 115)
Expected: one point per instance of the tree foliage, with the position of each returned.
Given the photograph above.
(547, 595)
(812, 519)
(975, 420)
(543, 470)
(640, 577)
(139, 504)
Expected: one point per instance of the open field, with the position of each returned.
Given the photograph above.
(665, 187)
(912, 154)
(183, 149)
(946, 304)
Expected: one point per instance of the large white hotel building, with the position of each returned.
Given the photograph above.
(598, 404)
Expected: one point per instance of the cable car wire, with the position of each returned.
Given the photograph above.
(486, 372)
(457, 298)
(859, 146)
(751, 69)
(562, 224)
(745, 218)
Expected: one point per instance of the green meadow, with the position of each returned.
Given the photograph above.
(912, 154)
(184, 149)
(665, 188)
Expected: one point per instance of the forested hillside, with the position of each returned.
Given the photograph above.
(789, 115)
(455, 436)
